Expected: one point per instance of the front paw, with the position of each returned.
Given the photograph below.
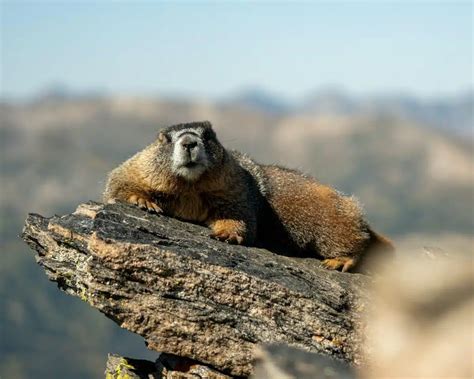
(343, 263)
(145, 203)
(228, 236)
(230, 231)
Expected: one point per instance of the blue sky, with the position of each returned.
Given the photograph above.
(213, 49)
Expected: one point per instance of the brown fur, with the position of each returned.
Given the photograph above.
(208, 201)
(319, 219)
(247, 203)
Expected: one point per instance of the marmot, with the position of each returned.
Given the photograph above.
(186, 173)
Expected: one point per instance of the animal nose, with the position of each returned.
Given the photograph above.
(188, 143)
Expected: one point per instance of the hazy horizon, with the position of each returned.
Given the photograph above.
(61, 89)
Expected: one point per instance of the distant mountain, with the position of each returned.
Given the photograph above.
(61, 92)
(259, 100)
(453, 114)
(330, 100)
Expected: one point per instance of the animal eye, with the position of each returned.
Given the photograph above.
(207, 135)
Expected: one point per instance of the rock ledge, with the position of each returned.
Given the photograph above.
(194, 297)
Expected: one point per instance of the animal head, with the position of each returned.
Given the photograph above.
(192, 148)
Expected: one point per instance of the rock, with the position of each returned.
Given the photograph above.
(120, 367)
(195, 297)
(167, 366)
(276, 361)
(173, 367)
(283, 362)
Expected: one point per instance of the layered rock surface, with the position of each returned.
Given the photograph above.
(194, 297)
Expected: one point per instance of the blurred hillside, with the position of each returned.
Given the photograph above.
(450, 113)
(410, 162)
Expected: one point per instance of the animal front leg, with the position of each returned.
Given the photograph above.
(233, 221)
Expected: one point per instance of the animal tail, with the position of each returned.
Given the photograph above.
(379, 251)
(380, 242)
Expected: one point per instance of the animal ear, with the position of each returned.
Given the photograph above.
(209, 134)
(208, 125)
(163, 137)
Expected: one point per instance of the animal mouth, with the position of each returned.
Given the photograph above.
(191, 164)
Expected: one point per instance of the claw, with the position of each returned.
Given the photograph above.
(228, 237)
(343, 263)
(145, 204)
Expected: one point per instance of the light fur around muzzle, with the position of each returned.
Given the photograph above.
(189, 156)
